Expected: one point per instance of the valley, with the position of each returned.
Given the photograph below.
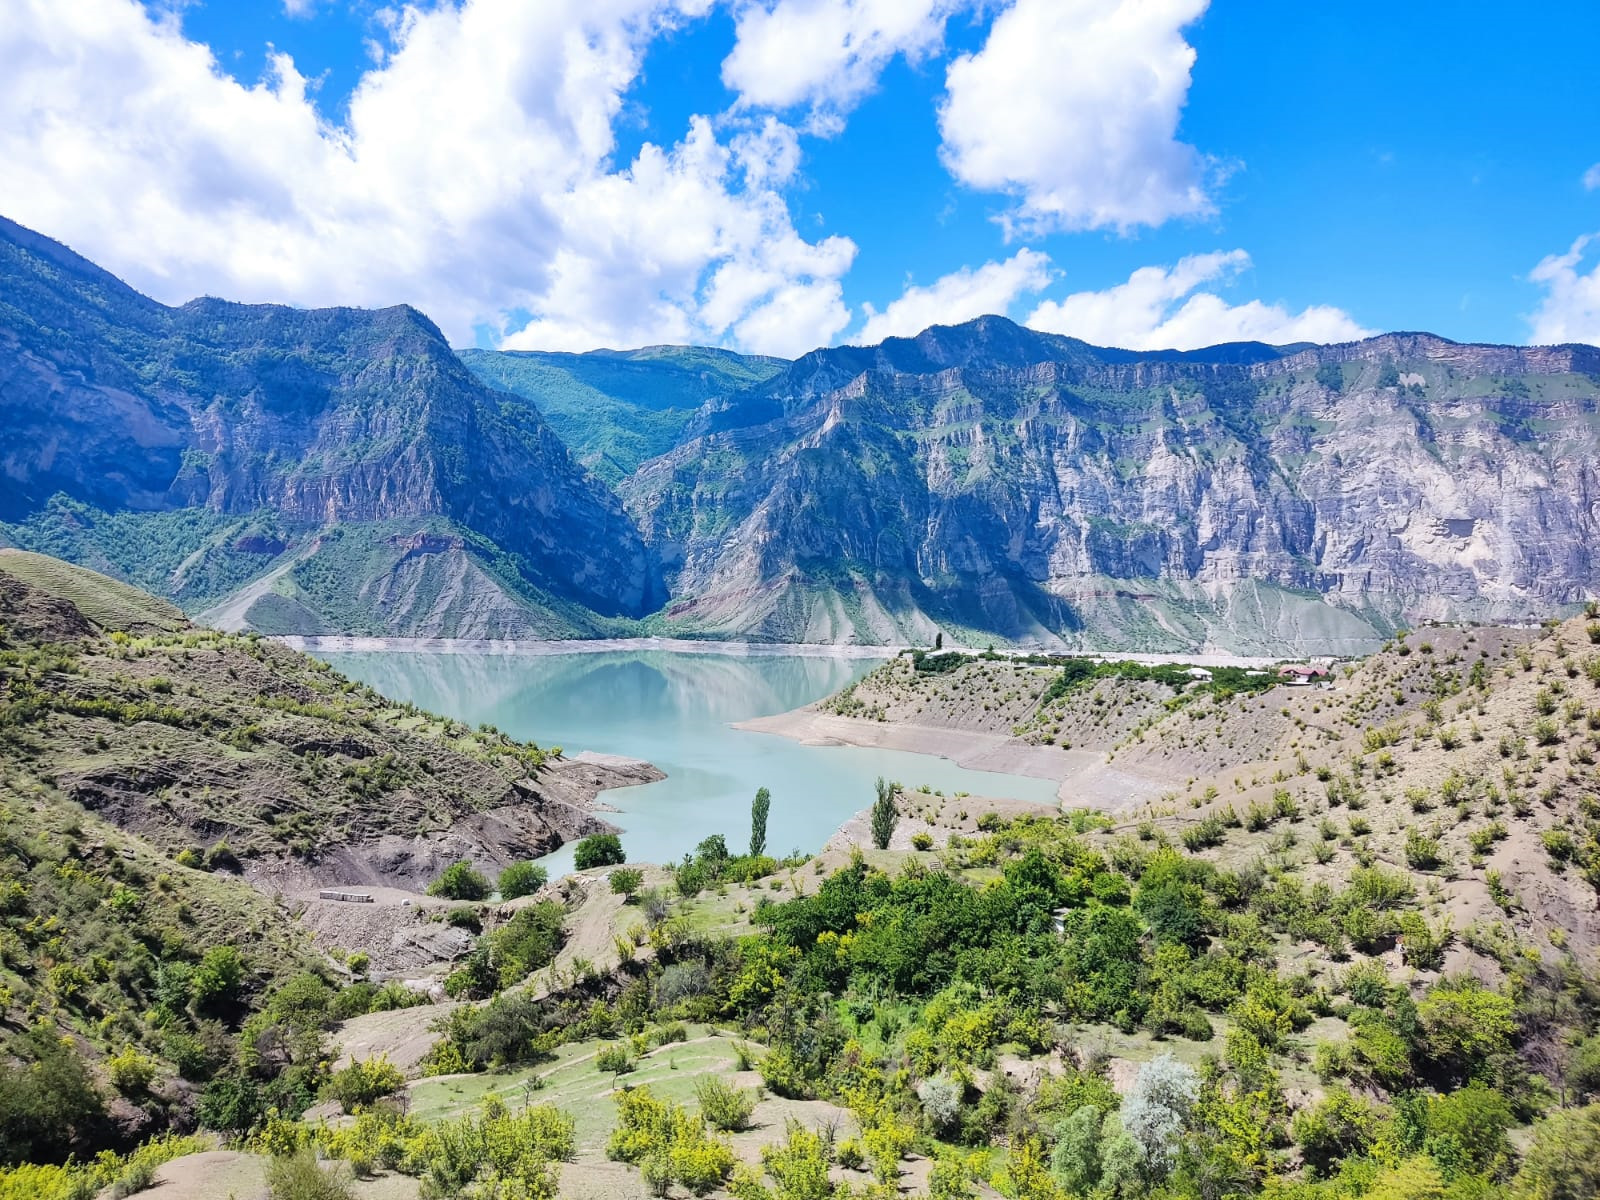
(344, 472)
(1370, 903)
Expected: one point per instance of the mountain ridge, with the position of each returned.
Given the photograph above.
(344, 471)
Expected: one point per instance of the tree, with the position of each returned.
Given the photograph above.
(884, 814)
(759, 808)
(1075, 1162)
(1157, 1110)
(938, 640)
(599, 850)
(460, 882)
(1563, 1162)
(522, 879)
(625, 882)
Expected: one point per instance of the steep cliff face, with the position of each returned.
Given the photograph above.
(990, 479)
(303, 421)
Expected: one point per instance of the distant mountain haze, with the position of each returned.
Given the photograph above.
(342, 470)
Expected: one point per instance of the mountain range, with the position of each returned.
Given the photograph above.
(346, 471)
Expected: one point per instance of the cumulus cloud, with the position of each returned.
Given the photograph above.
(959, 296)
(826, 53)
(472, 177)
(1072, 107)
(1160, 308)
(1570, 311)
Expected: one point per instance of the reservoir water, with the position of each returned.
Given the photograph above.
(675, 710)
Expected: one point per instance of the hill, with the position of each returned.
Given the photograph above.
(616, 409)
(286, 469)
(160, 784)
(1350, 952)
(342, 471)
(988, 480)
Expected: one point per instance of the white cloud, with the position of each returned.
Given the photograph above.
(1072, 107)
(959, 296)
(299, 8)
(472, 177)
(1591, 178)
(826, 53)
(1159, 308)
(1570, 311)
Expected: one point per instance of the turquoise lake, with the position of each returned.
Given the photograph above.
(675, 710)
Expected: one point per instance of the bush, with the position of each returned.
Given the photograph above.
(941, 1101)
(922, 840)
(522, 879)
(131, 1072)
(364, 1081)
(626, 881)
(215, 982)
(1563, 1162)
(299, 1177)
(599, 850)
(668, 1143)
(614, 1059)
(727, 1108)
(460, 882)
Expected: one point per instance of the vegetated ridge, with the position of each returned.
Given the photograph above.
(1351, 956)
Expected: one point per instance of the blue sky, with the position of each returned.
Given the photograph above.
(776, 174)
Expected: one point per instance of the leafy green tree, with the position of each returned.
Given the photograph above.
(885, 816)
(48, 1100)
(625, 881)
(364, 1081)
(522, 879)
(599, 850)
(1563, 1161)
(460, 882)
(1075, 1161)
(1466, 1130)
(759, 808)
(215, 982)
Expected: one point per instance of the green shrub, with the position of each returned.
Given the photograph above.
(131, 1072)
(460, 882)
(625, 881)
(364, 1081)
(885, 816)
(300, 1177)
(599, 850)
(614, 1059)
(522, 879)
(727, 1108)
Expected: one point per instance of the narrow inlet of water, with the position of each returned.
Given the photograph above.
(676, 710)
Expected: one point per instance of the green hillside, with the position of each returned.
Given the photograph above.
(616, 409)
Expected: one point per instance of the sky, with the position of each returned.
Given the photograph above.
(776, 175)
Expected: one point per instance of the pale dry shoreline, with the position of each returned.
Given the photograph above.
(352, 643)
(1086, 779)
(346, 644)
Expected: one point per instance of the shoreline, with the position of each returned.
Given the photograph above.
(1084, 777)
(351, 644)
(342, 643)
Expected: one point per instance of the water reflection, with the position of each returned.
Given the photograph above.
(674, 709)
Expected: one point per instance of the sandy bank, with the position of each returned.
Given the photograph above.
(342, 644)
(1085, 777)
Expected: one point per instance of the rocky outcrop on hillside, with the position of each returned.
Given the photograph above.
(985, 478)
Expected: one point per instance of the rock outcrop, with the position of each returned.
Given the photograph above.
(269, 426)
(987, 479)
